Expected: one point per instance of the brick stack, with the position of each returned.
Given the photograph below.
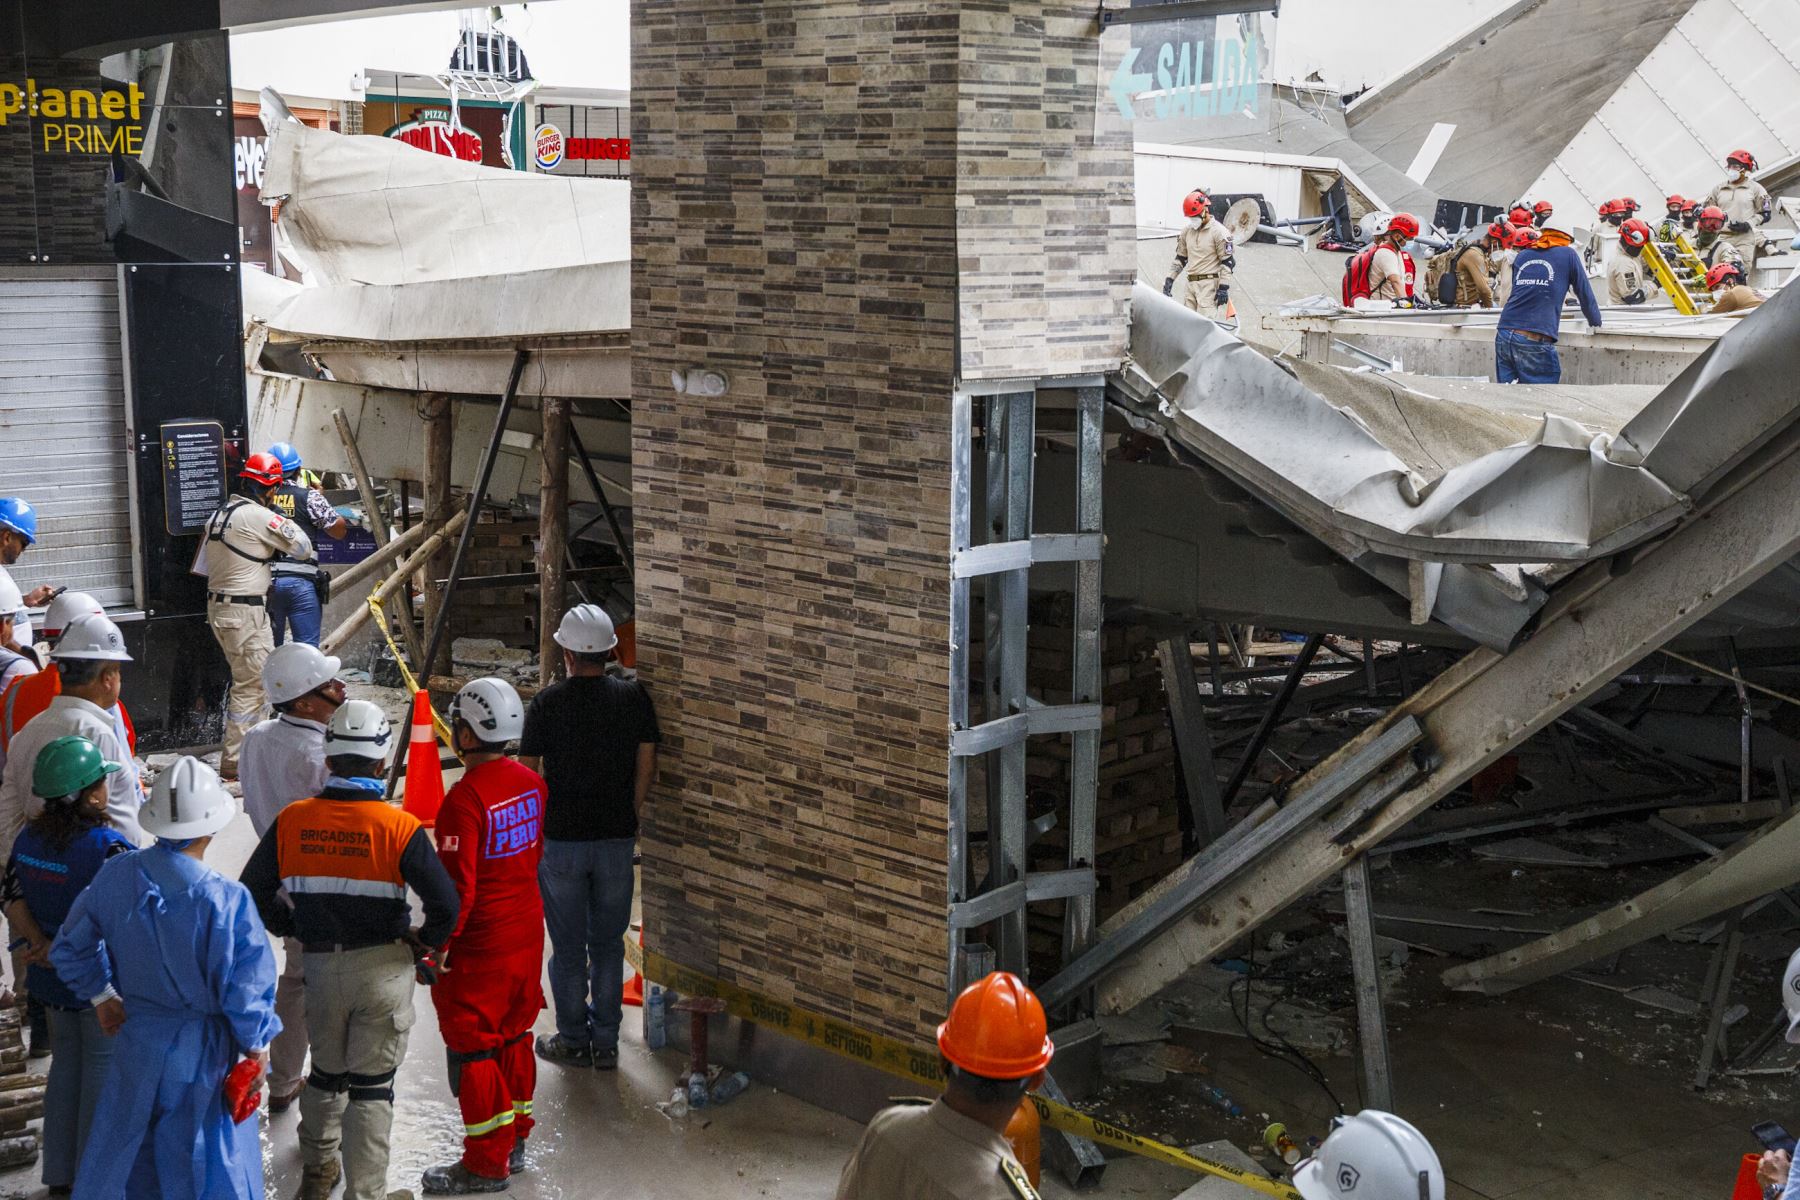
(797, 220)
(503, 546)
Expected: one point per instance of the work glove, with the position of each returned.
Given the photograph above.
(1169, 286)
(428, 961)
(1740, 227)
(1221, 296)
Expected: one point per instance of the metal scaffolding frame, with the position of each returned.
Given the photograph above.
(1001, 559)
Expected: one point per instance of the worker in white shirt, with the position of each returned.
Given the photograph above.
(283, 760)
(90, 656)
(242, 539)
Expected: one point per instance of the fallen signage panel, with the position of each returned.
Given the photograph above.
(1765, 862)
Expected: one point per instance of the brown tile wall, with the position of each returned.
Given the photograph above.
(796, 223)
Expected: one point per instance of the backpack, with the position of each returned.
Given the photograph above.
(1356, 274)
(1447, 283)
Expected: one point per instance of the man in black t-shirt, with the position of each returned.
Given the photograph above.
(593, 738)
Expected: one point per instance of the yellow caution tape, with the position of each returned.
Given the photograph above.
(438, 724)
(921, 1066)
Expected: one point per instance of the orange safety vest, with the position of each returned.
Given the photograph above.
(343, 848)
(29, 695)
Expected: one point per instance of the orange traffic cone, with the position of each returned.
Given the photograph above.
(424, 773)
(633, 995)
(1747, 1187)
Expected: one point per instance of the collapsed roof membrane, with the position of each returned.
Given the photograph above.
(1493, 529)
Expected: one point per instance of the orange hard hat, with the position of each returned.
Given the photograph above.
(1635, 233)
(997, 1029)
(1196, 203)
(262, 468)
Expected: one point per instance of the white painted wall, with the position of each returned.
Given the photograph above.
(569, 43)
(1165, 177)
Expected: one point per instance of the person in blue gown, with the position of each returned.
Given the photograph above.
(175, 960)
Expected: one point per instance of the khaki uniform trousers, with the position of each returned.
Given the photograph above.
(359, 1007)
(1746, 244)
(1200, 293)
(243, 633)
(287, 1054)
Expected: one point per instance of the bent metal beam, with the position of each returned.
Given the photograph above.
(1599, 621)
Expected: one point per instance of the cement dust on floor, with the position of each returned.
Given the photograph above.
(599, 1133)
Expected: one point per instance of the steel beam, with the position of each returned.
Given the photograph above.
(1597, 623)
(1272, 715)
(1371, 1024)
(1193, 744)
(962, 436)
(1084, 764)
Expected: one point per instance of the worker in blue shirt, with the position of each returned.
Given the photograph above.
(176, 963)
(1542, 277)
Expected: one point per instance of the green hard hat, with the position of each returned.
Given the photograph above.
(68, 765)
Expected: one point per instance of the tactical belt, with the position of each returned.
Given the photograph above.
(222, 598)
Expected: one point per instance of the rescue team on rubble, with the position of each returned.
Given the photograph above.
(1524, 265)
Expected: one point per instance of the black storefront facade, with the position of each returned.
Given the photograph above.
(122, 407)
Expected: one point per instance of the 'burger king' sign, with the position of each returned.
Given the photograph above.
(547, 146)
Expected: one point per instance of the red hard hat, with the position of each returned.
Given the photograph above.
(1608, 207)
(1520, 215)
(997, 1030)
(1721, 273)
(262, 468)
(1627, 204)
(1742, 156)
(1404, 224)
(1523, 238)
(1196, 203)
(1712, 212)
(1499, 231)
(1676, 200)
(1542, 206)
(1635, 233)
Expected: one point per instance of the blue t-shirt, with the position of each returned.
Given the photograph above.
(1541, 280)
(48, 881)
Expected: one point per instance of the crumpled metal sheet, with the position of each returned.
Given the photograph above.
(362, 209)
(1562, 495)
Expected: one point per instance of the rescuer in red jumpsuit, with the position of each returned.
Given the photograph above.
(490, 838)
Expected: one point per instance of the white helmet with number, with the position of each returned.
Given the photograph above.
(65, 608)
(1373, 224)
(187, 801)
(359, 728)
(1372, 1156)
(491, 708)
(294, 669)
(91, 637)
(586, 629)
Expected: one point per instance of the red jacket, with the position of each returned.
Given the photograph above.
(490, 836)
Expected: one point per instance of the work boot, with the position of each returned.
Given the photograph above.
(606, 1058)
(458, 1180)
(558, 1049)
(316, 1182)
(515, 1162)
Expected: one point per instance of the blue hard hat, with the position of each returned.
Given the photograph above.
(287, 456)
(19, 517)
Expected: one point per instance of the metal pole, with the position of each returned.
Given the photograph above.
(1193, 745)
(1719, 978)
(1272, 717)
(477, 495)
(553, 530)
(1084, 756)
(612, 518)
(1371, 1025)
(378, 526)
(440, 447)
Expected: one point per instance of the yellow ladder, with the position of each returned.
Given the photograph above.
(1676, 278)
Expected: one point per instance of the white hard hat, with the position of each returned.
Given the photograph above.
(1373, 224)
(491, 707)
(360, 728)
(294, 669)
(65, 608)
(11, 598)
(91, 637)
(1555, 224)
(1790, 996)
(586, 629)
(1372, 1156)
(188, 801)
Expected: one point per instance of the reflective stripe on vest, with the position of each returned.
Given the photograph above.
(330, 885)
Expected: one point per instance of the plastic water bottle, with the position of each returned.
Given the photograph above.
(728, 1089)
(1223, 1102)
(678, 1104)
(697, 1090)
(656, 1017)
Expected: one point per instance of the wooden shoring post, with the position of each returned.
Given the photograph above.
(553, 531)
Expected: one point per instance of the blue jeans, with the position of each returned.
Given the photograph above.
(80, 1057)
(1519, 359)
(587, 909)
(294, 601)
